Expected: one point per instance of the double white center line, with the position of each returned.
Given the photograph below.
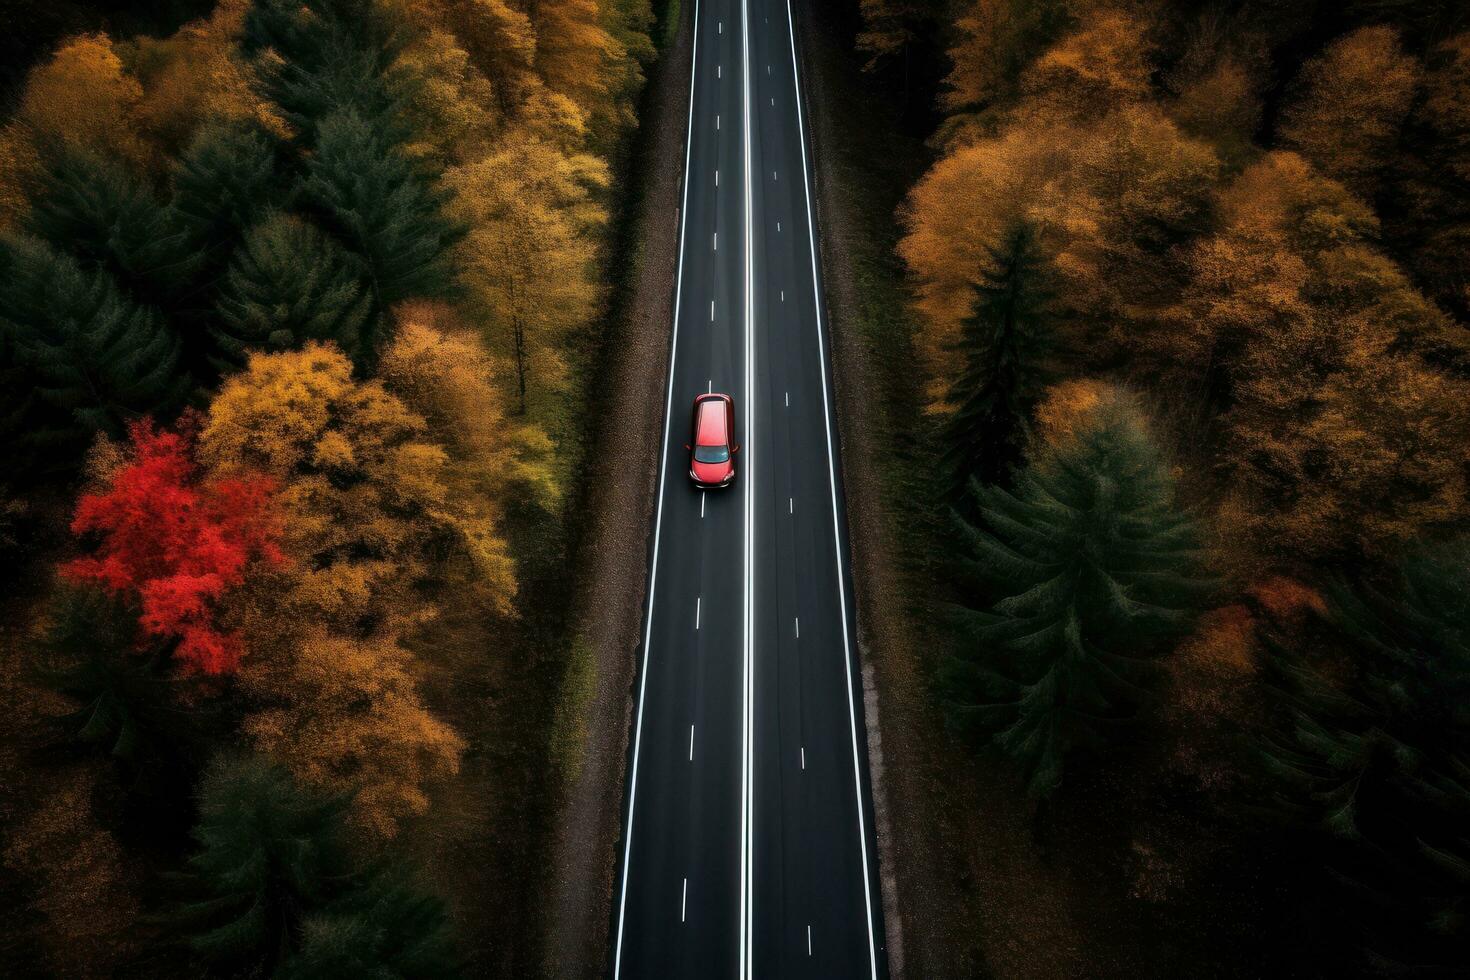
(747, 811)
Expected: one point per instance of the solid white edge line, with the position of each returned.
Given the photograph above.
(747, 881)
(658, 519)
(832, 482)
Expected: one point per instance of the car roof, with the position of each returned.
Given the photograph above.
(710, 422)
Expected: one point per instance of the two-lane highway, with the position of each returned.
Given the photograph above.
(747, 842)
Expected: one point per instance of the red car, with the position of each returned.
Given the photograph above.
(712, 454)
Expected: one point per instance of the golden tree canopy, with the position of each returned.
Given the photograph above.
(366, 510)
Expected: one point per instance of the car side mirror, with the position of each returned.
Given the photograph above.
(735, 448)
(687, 446)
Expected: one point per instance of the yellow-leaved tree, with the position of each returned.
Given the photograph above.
(452, 105)
(193, 76)
(497, 35)
(365, 510)
(528, 261)
(578, 57)
(82, 96)
(85, 95)
(438, 367)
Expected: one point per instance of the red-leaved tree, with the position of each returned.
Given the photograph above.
(175, 542)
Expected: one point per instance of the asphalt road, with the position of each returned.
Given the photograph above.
(747, 846)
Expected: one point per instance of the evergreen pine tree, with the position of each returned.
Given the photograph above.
(316, 58)
(21, 415)
(1004, 343)
(270, 853)
(387, 928)
(1082, 570)
(1374, 761)
(382, 207)
(92, 654)
(289, 283)
(94, 208)
(95, 358)
(276, 889)
(226, 180)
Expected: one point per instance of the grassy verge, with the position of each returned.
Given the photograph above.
(569, 721)
(668, 24)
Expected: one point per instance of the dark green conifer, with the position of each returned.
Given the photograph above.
(1078, 575)
(389, 928)
(289, 283)
(92, 356)
(1004, 342)
(227, 178)
(21, 413)
(1372, 759)
(90, 654)
(316, 58)
(383, 208)
(275, 888)
(270, 853)
(94, 208)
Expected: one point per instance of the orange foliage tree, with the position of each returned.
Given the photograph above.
(1350, 106)
(438, 368)
(83, 96)
(1102, 66)
(364, 508)
(1430, 217)
(993, 42)
(1109, 199)
(1337, 433)
(194, 76)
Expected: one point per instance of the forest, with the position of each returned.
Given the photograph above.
(1191, 288)
(302, 303)
(297, 307)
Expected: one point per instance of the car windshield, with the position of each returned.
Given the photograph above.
(711, 454)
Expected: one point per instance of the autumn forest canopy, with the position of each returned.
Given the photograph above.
(296, 300)
(1189, 283)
